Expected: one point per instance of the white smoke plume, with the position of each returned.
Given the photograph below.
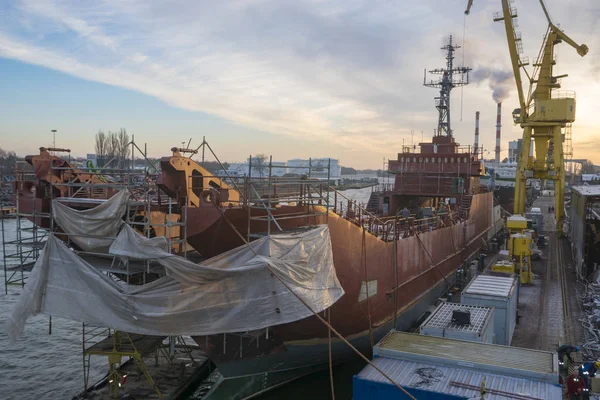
(501, 81)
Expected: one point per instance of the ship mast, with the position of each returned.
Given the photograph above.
(446, 83)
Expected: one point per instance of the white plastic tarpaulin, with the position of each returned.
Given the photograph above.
(93, 229)
(232, 292)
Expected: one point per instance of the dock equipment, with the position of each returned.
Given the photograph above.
(545, 114)
(119, 345)
(478, 328)
(501, 293)
(441, 368)
(519, 250)
(519, 258)
(516, 224)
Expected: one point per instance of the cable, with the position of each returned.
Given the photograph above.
(364, 261)
(463, 64)
(330, 358)
(339, 335)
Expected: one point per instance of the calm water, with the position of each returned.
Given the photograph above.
(42, 366)
(39, 365)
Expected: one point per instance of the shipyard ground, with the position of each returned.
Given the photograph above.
(549, 310)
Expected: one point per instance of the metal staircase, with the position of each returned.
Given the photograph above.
(373, 204)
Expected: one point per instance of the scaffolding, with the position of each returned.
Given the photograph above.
(21, 243)
(266, 196)
(265, 193)
(148, 211)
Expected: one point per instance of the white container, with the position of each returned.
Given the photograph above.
(502, 294)
(439, 323)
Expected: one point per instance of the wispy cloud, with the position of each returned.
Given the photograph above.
(343, 72)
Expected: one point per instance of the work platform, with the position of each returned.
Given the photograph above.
(153, 370)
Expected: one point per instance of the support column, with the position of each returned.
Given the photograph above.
(559, 181)
(520, 179)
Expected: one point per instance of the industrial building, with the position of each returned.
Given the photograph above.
(584, 228)
(262, 170)
(318, 167)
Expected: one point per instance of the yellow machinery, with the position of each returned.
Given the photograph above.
(516, 224)
(519, 250)
(519, 262)
(543, 114)
(506, 267)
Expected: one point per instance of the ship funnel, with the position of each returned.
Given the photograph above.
(476, 143)
(498, 129)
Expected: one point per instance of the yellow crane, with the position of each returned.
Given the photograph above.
(544, 112)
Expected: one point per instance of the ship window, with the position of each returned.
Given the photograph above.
(426, 159)
(465, 159)
(414, 159)
(439, 159)
(445, 159)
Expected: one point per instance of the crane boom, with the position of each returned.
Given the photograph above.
(582, 49)
(507, 17)
(469, 5)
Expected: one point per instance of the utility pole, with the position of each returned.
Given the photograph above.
(53, 140)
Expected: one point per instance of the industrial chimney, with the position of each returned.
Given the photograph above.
(498, 126)
(476, 144)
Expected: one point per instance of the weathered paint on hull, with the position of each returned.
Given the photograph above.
(360, 256)
(220, 237)
(301, 359)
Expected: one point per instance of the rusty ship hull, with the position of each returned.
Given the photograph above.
(425, 263)
(403, 277)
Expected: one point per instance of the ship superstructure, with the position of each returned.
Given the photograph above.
(440, 171)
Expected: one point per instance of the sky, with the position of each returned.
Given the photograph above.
(304, 78)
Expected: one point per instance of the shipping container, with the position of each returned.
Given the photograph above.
(502, 294)
(480, 328)
(434, 368)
